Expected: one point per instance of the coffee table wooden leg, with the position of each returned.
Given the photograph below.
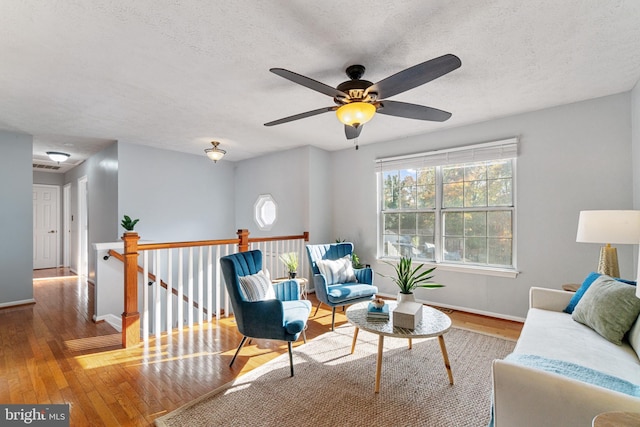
(445, 356)
(379, 362)
(410, 343)
(353, 343)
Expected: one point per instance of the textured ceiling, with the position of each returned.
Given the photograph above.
(177, 74)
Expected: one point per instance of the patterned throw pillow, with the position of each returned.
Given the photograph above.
(257, 287)
(337, 271)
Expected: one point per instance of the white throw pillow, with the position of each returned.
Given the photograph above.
(257, 287)
(337, 271)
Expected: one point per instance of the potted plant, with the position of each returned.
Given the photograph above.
(355, 260)
(129, 224)
(290, 260)
(409, 278)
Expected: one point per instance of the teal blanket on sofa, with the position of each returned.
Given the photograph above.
(573, 371)
(576, 372)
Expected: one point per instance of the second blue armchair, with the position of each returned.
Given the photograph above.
(336, 283)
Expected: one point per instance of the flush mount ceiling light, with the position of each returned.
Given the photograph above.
(215, 153)
(57, 156)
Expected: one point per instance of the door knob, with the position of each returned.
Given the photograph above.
(52, 231)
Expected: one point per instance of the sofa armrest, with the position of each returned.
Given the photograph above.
(525, 396)
(549, 299)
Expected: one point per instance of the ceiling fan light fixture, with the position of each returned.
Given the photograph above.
(355, 113)
(215, 153)
(57, 156)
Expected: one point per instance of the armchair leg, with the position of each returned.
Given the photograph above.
(290, 356)
(238, 351)
(304, 336)
(317, 308)
(333, 318)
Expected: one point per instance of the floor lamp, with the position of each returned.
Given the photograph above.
(607, 227)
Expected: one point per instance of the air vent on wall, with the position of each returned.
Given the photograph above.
(43, 166)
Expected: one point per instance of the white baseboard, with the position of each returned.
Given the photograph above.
(20, 302)
(466, 309)
(111, 319)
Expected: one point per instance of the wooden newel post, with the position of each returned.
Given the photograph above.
(243, 240)
(130, 316)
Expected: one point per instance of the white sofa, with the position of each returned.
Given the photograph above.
(526, 396)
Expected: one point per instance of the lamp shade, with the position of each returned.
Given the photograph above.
(620, 227)
(356, 113)
(215, 153)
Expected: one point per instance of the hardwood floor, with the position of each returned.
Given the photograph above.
(52, 352)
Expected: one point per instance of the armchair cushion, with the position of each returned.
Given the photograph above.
(337, 271)
(257, 287)
(343, 292)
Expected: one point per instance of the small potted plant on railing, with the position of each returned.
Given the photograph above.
(408, 278)
(129, 224)
(290, 260)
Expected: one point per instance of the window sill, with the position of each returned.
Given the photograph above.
(470, 269)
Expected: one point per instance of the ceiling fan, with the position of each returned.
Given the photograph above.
(358, 100)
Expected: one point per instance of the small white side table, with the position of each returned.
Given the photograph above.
(302, 282)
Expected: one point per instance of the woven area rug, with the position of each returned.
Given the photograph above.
(333, 387)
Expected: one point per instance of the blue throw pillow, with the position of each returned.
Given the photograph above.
(583, 288)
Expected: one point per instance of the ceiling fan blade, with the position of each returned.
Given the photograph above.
(352, 132)
(301, 116)
(308, 82)
(412, 111)
(415, 76)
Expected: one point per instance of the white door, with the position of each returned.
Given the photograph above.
(45, 226)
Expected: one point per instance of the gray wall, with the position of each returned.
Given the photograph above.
(573, 157)
(284, 175)
(101, 171)
(48, 178)
(176, 196)
(16, 224)
(635, 156)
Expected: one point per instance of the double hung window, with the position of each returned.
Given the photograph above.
(450, 206)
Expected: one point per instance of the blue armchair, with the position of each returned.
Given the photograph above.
(283, 318)
(331, 290)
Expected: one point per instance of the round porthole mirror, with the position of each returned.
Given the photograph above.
(265, 211)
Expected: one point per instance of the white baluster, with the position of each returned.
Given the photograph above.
(209, 283)
(169, 290)
(157, 314)
(200, 286)
(180, 300)
(190, 289)
(145, 295)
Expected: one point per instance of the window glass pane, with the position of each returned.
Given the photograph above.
(453, 224)
(499, 169)
(475, 172)
(391, 223)
(427, 223)
(390, 183)
(475, 224)
(453, 248)
(475, 193)
(499, 224)
(452, 173)
(499, 252)
(500, 193)
(407, 189)
(452, 195)
(408, 225)
(475, 250)
(425, 248)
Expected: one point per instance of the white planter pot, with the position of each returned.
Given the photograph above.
(405, 297)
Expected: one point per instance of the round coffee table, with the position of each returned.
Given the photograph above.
(434, 324)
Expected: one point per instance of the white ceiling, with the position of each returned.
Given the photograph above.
(178, 74)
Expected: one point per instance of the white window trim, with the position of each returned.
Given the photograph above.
(495, 150)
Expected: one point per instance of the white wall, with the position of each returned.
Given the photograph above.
(16, 223)
(101, 171)
(284, 175)
(176, 196)
(573, 157)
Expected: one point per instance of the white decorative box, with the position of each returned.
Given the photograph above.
(407, 315)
